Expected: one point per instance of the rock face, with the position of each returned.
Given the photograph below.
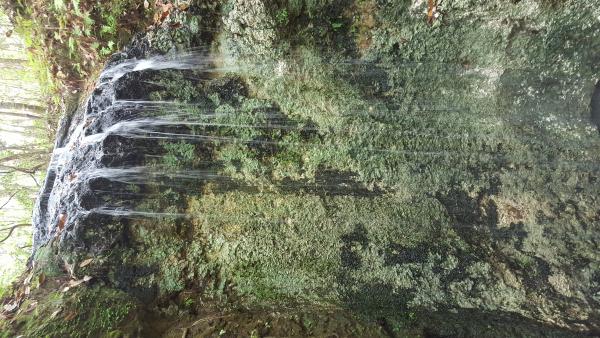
(434, 179)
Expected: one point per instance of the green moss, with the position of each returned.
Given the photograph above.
(85, 312)
(48, 261)
(178, 154)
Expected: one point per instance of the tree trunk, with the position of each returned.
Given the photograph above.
(13, 63)
(23, 115)
(21, 106)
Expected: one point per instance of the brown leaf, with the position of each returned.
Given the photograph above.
(9, 33)
(55, 313)
(62, 219)
(167, 7)
(86, 262)
(165, 10)
(75, 283)
(163, 16)
(31, 306)
(184, 7)
(71, 316)
(42, 278)
(72, 176)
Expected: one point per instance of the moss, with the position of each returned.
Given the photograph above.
(179, 154)
(266, 241)
(96, 311)
(48, 261)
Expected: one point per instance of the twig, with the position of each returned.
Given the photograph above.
(34, 180)
(8, 201)
(206, 320)
(11, 229)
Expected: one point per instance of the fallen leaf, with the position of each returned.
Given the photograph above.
(42, 278)
(71, 316)
(31, 307)
(11, 307)
(167, 7)
(62, 219)
(27, 290)
(69, 268)
(86, 262)
(163, 16)
(184, 7)
(146, 4)
(165, 10)
(75, 283)
(55, 313)
(27, 280)
(9, 33)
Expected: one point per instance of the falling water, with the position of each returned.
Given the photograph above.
(130, 123)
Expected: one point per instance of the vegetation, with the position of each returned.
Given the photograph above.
(47, 53)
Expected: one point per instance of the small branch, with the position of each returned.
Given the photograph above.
(8, 201)
(11, 229)
(34, 180)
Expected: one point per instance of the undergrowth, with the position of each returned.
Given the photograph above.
(69, 40)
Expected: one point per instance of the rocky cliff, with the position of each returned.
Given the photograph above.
(359, 168)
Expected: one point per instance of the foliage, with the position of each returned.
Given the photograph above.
(72, 38)
(179, 154)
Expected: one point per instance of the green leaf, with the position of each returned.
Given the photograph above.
(72, 46)
(87, 20)
(59, 5)
(76, 7)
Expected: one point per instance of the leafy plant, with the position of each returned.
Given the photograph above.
(282, 17)
(178, 154)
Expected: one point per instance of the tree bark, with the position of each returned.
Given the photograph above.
(13, 63)
(19, 156)
(28, 115)
(4, 106)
